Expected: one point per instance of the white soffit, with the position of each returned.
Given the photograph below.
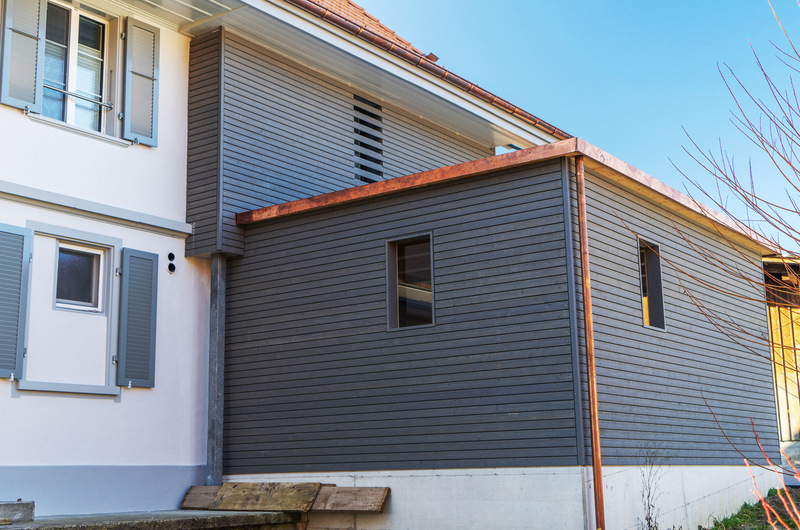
(327, 49)
(179, 13)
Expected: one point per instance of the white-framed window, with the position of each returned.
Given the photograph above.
(84, 66)
(76, 67)
(80, 281)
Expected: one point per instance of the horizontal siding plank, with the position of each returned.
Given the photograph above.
(308, 351)
(658, 387)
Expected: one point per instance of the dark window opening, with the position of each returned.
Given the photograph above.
(78, 277)
(410, 283)
(652, 293)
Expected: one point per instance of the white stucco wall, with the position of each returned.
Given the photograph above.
(164, 425)
(144, 179)
(141, 449)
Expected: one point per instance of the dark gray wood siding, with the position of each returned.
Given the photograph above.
(314, 381)
(203, 163)
(658, 388)
(287, 133)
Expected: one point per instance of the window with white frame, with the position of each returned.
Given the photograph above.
(81, 65)
(74, 65)
(79, 282)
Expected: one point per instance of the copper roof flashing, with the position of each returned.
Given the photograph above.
(596, 159)
(411, 55)
(408, 182)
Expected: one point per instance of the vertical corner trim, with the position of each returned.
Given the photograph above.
(220, 139)
(573, 311)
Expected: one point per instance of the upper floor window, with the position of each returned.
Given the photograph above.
(82, 66)
(74, 66)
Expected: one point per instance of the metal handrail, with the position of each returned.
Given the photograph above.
(79, 96)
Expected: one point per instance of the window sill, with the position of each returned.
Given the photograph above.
(67, 388)
(80, 130)
(418, 326)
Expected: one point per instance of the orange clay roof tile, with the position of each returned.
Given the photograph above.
(356, 13)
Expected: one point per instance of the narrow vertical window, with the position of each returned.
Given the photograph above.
(55, 62)
(410, 283)
(89, 74)
(652, 293)
(367, 140)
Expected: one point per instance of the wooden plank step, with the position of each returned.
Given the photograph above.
(362, 500)
(199, 497)
(266, 496)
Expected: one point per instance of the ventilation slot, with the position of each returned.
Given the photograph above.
(367, 140)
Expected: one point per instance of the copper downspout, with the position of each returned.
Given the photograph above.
(597, 467)
(423, 62)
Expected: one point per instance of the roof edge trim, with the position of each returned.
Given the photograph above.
(564, 148)
(416, 180)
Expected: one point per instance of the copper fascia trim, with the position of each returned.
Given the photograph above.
(408, 182)
(421, 61)
(667, 195)
(588, 328)
(595, 158)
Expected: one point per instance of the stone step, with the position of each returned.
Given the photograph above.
(168, 520)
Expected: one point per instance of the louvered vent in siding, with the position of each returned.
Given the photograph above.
(367, 139)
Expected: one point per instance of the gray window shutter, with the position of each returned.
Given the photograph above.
(140, 115)
(15, 248)
(137, 321)
(23, 47)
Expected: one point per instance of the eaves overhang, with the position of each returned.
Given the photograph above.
(397, 76)
(415, 58)
(595, 159)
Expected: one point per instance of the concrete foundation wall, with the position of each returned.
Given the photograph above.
(510, 498)
(536, 498)
(685, 496)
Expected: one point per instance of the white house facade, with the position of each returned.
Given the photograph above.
(103, 319)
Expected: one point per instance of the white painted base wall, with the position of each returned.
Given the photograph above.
(515, 498)
(534, 498)
(686, 496)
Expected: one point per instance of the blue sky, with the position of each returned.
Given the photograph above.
(626, 75)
